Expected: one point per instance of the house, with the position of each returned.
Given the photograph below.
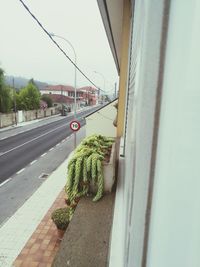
(90, 95)
(155, 45)
(62, 94)
(57, 89)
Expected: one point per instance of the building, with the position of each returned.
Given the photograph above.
(90, 95)
(62, 94)
(155, 45)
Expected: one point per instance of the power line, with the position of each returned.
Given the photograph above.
(43, 28)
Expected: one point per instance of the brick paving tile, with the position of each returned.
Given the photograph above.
(42, 246)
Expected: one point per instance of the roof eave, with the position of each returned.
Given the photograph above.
(107, 25)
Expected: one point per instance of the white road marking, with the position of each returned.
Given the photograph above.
(34, 161)
(20, 171)
(43, 155)
(6, 152)
(58, 144)
(51, 149)
(5, 182)
(3, 138)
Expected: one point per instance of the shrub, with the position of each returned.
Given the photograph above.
(61, 218)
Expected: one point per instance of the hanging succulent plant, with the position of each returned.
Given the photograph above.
(85, 168)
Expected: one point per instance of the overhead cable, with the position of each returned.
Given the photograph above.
(58, 46)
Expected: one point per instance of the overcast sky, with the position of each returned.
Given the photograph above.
(26, 51)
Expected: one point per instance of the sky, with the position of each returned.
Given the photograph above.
(26, 51)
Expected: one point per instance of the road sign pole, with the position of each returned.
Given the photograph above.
(74, 140)
(75, 126)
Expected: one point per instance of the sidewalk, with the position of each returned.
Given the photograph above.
(32, 223)
(43, 245)
(18, 229)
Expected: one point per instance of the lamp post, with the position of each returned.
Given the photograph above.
(75, 60)
(104, 80)
(14, 98)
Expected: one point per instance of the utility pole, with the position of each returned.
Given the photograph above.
(75, 61)
(14, 99)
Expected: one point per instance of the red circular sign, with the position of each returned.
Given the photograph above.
(75, 125)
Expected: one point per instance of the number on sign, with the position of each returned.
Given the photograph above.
(75, 125)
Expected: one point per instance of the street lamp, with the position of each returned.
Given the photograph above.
(104, 80)
(75, 60)
(14, 99)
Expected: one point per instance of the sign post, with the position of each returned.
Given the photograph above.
(75, 126)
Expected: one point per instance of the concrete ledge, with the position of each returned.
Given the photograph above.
(86, 241)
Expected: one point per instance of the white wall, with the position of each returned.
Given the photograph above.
(54, 92)
(175, 222)
(45, 92)
(101, 122)
(134, 176)
(20, 116)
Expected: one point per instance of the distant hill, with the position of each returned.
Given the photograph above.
(20, 82)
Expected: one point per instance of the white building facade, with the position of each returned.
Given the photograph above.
(157, 208)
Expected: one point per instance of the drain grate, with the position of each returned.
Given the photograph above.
(43, 176)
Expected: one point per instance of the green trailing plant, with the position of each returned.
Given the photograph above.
(61, 217)
(85, 168)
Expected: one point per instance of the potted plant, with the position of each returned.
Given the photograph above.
(86, 170)
(61, 218)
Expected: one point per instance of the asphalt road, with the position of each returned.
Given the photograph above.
(15, 192)
(21, 149)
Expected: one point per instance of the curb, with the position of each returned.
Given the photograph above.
(19, 228)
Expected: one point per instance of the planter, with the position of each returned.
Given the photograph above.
(60, 233)
(108, 172)
(93, 164)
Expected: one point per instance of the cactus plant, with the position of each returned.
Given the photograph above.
(85, 167)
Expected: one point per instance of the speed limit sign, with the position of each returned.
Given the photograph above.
(75, 125)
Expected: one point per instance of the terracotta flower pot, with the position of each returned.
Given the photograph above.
(67, 201)
(60, 233)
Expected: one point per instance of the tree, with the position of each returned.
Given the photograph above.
(5, 94)
(28, 97)
(107, 98)
(48, 100)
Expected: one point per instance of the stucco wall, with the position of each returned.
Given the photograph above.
(175, 221)
(135, 176)
(101, 122)
(37, 114)
(7, 119)
(157, 209)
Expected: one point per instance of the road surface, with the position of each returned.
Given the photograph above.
(19, 150)
(28, 155)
